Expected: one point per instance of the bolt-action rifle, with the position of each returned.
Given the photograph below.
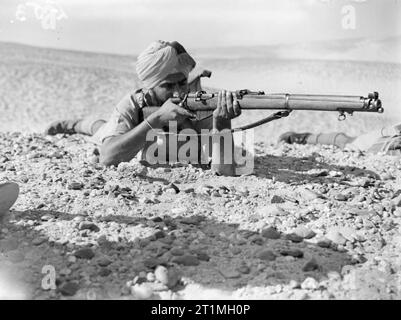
(250, 100)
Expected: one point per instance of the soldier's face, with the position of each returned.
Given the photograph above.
(172, 85)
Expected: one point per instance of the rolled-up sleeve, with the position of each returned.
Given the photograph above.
(124, 118)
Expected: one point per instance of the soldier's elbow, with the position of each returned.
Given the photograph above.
(107, 157)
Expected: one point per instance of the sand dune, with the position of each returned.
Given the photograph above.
(356, 49)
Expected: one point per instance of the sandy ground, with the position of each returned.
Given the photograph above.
(311, 222)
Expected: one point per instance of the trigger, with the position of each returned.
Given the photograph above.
(183, 103)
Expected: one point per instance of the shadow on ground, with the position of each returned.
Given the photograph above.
(218, 255)
(299, 171)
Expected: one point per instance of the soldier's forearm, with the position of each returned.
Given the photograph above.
(125, 147)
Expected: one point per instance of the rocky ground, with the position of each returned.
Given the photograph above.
(310, 223)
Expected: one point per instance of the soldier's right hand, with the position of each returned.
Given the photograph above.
(169, 111)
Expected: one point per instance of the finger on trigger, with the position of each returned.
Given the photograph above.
(187, 113)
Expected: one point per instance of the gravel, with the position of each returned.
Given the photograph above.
(263, 231)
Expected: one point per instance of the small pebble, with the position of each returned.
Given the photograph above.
(294, 238)
(186, 260)
(161, 274)
(104, 261)
(294, 284)
(324, 242)
(229, 274)
(202, 256)
(142, 291)
(85, 225)
(177, 251)
(68, 289)
(38, 241)
(104, 272)
(266, 255)
(277, 199)
(244, 269)
(310, 284)
(75, 186)
(150, 277)
(304, 232)
(296, 253)
(270, 233)
(341, 197)
(65, 272)
(311, 265)
(336, 237)
(46, 217)
(84, 253)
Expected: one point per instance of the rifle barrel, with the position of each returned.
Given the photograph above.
(208, 102)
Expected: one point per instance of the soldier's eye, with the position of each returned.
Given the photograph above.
(168, 86)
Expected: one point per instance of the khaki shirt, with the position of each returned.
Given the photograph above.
(128, 114)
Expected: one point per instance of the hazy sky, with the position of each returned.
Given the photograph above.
(127, 26)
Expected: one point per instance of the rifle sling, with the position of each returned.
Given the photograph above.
(272, 117)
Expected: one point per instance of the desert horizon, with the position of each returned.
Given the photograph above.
(59, 83)
(386, 49)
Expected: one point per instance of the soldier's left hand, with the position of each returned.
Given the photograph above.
(227, 106)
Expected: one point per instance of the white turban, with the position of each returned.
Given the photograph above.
(159, 60)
